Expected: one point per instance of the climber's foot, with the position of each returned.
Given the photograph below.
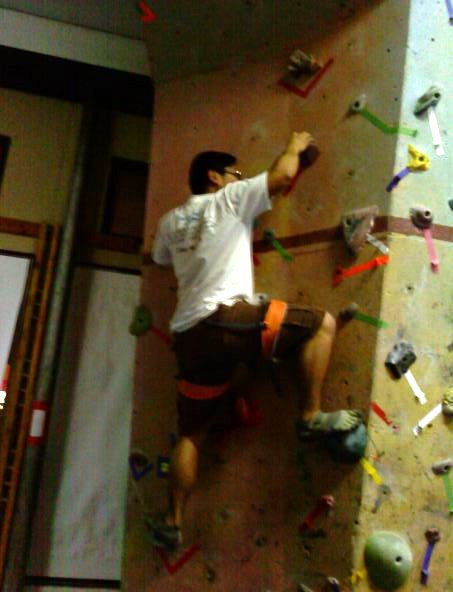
(163, 535)
(325, 424)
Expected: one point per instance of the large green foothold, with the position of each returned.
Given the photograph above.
(348, 447)
(141, 322)
(388, 559)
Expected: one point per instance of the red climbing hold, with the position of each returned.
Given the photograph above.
(248, 412)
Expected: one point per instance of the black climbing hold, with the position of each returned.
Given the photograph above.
(400, 358)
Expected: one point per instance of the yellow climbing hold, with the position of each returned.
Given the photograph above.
(358, 575)
(418, 161)
(371, 470)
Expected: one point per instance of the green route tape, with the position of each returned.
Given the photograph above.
(448, 491)
(284, 254)
(388, 129)
(269, 236)
(371, 320)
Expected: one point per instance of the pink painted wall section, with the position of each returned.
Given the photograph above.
(256, 485)
(242, 109)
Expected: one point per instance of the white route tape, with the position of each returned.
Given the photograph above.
(38, 421)
(435, 132)
(419, 394)
(377, 243)
(425, 421)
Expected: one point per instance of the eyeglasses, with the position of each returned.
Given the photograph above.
(235, 173)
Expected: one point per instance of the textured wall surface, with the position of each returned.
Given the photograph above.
(241, 108)
(418, 304)
(256, 485)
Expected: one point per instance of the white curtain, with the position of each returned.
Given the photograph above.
(13, 279)
(79, 523)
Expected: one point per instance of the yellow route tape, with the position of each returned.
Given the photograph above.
(371, 470)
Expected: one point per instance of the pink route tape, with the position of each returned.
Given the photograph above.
(38, 424)
(431, 250)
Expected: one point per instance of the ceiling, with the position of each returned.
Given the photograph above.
(120, 17)
(193, 36)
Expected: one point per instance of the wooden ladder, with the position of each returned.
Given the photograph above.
(24, 361)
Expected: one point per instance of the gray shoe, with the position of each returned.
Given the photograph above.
(327, 424)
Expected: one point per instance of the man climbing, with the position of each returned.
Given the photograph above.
(216, 325)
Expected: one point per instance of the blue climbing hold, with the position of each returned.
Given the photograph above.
(348, 447)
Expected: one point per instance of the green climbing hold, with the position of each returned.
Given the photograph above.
(388, 559)
(348, 447)
(141, 322)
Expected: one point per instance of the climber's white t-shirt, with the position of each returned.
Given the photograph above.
(208, 240)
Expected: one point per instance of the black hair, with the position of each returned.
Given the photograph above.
(204, 162)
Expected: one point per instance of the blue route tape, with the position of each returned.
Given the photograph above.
(139, 473)
(397, 178)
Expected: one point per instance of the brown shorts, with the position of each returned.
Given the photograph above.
(208, 353)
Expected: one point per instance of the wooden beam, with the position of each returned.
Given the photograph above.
(19, 227)
(122, 244)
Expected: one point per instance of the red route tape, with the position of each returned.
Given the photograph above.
(165, 338)
(172, 568)
(293, 183)
(148, 15)
(40, 426)
(341, 273)
(6, 373)
(324, 504)
(306, 90)
(381, 413)
(256, 261)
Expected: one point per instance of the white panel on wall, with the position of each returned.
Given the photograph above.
(71, 42)
(79, 523)
(13, 279)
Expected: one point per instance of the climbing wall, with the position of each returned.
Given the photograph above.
(418, 304)
(257, 486)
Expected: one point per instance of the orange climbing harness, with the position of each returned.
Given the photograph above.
(198, 391)
(273, 321)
